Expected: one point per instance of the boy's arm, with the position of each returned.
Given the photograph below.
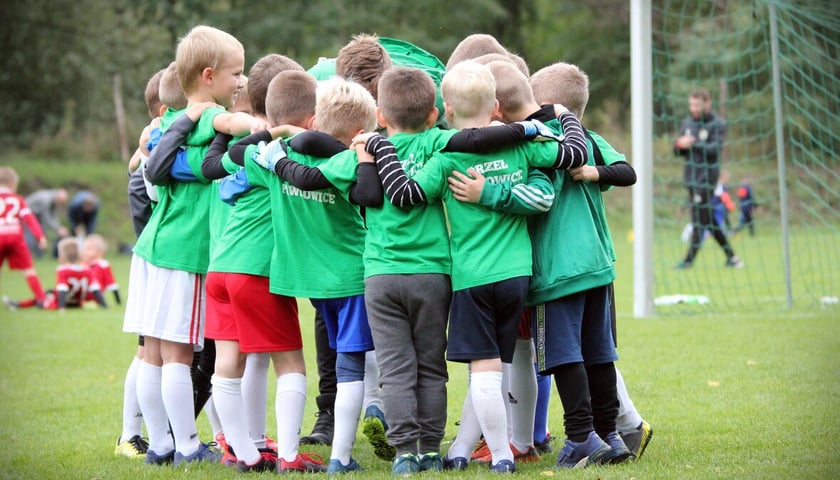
(367, 190)
(400, 190)
(162, 162)
(32, 224)
(274, 159)
(238, 124)
(532, 198)
(489, 139)
(212, 167)
(618, 174)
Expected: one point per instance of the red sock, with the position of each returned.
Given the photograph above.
(35, 286)
(26, 303)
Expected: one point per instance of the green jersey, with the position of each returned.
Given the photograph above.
(318, 235)
(401, 241)
(610, 156)
(243, 246)
(569, 256)
(177, 235)
(487, 246)
(219, 210)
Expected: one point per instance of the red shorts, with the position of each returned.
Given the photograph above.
(13, 248)
(240, 308)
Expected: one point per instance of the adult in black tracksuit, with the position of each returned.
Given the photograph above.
(700, 141)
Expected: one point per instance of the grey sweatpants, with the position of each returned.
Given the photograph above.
(408, 316)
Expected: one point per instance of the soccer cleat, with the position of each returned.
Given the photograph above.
(203, 454)
(545, 445)
(405, 465)
(620, 452)
(529, 455)
(374, 427)
(734, 262)
(10, 304)
(481, 450)
(134, 447)
(432, 462)
(638, 439)
(228, 457)
(504, 466)
(270, 443)
(336, 467)
(304, 462)
(457, 463)
(322, 432)
(153, 458)
(591, 451)
(267, 463)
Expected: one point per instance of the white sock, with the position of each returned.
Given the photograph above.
(213, 416)
(132, 423)
(227, 395)
(154, 412)
(506, 393)
(523, 388)
(348, 407)
(469, 431)
(290, 402)
(255, 395)
(628, 418)
(373, 393)
(177, 391)
(489, 405)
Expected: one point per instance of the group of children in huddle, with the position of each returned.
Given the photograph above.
(475, 235)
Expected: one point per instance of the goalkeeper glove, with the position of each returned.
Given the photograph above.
(269, 154)
(536, 130)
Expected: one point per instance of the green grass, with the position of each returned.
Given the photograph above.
(748, 395)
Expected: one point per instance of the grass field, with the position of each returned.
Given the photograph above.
(748, 395)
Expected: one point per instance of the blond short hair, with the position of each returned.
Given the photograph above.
(201, 48)
(9, 177)
(68, 249)
(406, 97)
(512, 89)
(513, 58)
(363, 61)
(562, 83)
(470, 90)
(170, 92)
(344, 107)
(152, 94)
(290, 98)
(260, 76)
(98, 241)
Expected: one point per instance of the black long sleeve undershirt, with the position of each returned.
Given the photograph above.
(211, 166)
(618, 174)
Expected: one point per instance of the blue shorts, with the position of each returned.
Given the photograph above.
(346, 322)
(575, 328)
(484, 320)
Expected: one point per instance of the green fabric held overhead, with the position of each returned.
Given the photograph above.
(403, 54)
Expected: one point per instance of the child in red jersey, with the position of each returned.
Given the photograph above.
(94, 248)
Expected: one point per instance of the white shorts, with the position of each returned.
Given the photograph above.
(164, 303)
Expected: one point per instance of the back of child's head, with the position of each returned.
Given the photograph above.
(363, 61)
(512, 89)
(201, 48)
(343, 107)
(170, 92)
(469, 90)
(152, 94)
(474, 46)
(261, 74)
(68, 250)
(290, 98)
(94, 246)
(562, 83)
(8, 178)
(513, 58)
(406, 97)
